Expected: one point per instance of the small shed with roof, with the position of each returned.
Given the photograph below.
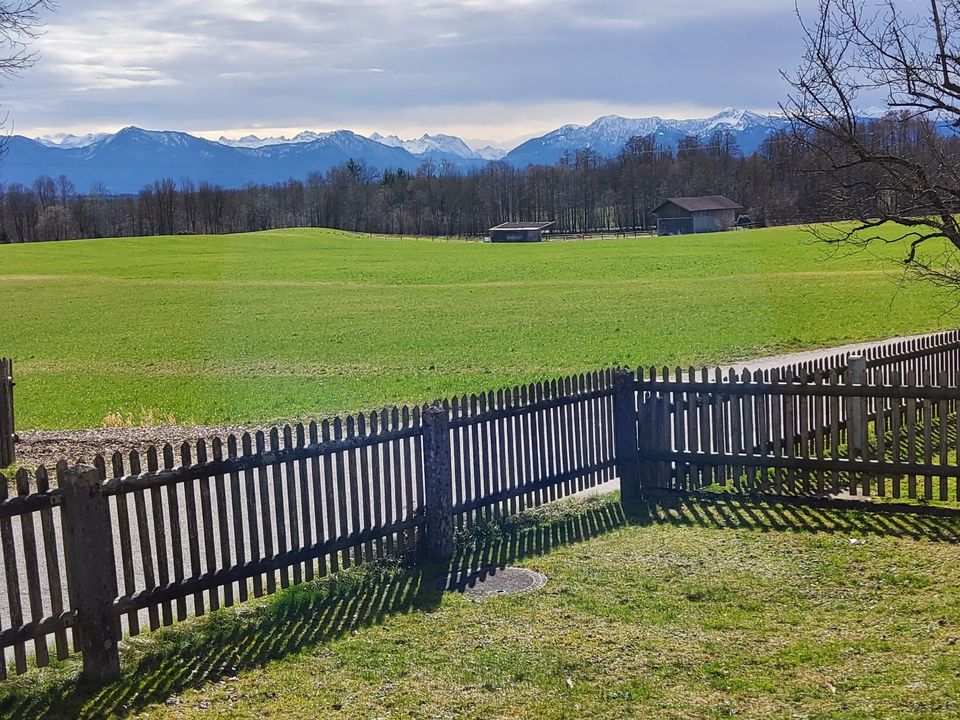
(687, 215)
(520, 231)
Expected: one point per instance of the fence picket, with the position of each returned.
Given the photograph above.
(126, 552)
(30, 560)
(250, 481)
(10, 567)
(206, 519)
(156, 504)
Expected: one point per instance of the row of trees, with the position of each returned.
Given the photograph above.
(782, 183)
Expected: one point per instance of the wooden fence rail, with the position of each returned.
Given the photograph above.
(203, 526)
(211, 524)
(8, 435)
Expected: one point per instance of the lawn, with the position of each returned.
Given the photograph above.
(700, 609)
(297, 323)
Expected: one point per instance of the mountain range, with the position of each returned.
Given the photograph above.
(123, 162)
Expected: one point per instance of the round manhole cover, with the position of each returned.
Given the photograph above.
(493, 581)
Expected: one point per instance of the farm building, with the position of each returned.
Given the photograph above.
(686, 215)
(520, 231)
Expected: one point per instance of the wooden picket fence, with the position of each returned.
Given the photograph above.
(142, 541)
(884, 425)
(8, 434)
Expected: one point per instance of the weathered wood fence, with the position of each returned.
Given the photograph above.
(147, 540)
(884, 424)
(7, 430)
(140, 541)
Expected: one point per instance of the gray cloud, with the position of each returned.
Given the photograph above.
(490, 68)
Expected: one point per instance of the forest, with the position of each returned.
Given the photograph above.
(788, 181)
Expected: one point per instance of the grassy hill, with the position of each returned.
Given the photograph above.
(292, 323)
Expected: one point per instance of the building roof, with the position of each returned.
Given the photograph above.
(701, 204)
(523, 226)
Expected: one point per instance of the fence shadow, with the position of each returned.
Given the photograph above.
(810, 515)
(184, 657)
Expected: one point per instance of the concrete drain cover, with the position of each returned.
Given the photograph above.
(493, 581)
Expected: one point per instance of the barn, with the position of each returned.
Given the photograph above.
(520, 231)
(686, 215)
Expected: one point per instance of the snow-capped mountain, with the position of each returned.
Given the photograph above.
(252, 141)
(608, 135)
(66, 140)
(126, 161)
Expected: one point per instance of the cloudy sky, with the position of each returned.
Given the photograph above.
(491, 70)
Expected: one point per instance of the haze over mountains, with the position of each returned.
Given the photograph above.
(123, 162)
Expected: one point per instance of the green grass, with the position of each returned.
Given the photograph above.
(299, 323)
(699, 609)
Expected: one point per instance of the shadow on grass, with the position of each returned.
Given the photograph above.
(810, 515)
(162, 664)
(165, 663)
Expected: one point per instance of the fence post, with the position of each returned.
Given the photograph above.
(91, 569)
(438, 485)
(626, 436)
(8, 437)
(857, 375)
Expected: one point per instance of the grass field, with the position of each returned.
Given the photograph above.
(299, 323)
(698, 610)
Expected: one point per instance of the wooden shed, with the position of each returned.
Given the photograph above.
(520, 231)
(687, 215)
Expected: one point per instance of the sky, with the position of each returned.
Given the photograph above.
(487, 70)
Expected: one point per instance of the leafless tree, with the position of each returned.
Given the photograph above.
(898, 175)
(20, 24)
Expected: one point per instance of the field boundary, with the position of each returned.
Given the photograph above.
(139, 541)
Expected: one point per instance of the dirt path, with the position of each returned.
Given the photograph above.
(47, 447)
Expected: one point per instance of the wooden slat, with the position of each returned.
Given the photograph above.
(236, 510)
(206, 519)
(279, 511)
(496, 450)
(511, 477)
(126, 550)
(354, 485)
(11, 570)
(306, 507)
(316, 488)
(193, 529)
(52, 563)
(32, 566)
(388, 473)
(343, 524)
(911, 422)
(927, 426)
(376, 481)
(293, 505)
(250, 491)
(223, 520)
(160, 530)
(409, 492)
(266, 511)
(176, 545)
(143, 535)
(418, 465)
(329, 495)
(834, 415)
(943, 423)
(366, 487)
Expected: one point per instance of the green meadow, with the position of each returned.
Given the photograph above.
(301, 323)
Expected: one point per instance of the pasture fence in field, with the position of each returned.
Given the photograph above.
(7, 431)
(883, 424)
(144, 540)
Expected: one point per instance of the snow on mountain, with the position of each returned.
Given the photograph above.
(608, 135)
(67, 140)
(253, 142)
(430, 144)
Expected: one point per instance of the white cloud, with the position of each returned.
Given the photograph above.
(493, 68)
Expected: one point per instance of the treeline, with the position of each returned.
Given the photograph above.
(782, 183)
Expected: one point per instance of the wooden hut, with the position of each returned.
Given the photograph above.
(520, 232)
(687, 215)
